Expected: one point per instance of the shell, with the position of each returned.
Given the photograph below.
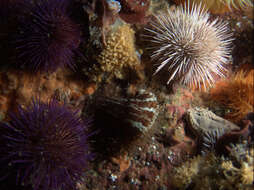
(139, 112)
(208, 127)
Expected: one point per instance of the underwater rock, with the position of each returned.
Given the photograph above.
(20, 87)
(135, 11)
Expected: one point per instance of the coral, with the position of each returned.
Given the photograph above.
(134, 11)
(213, 172)
(183, 175)
(191, 48)
(236, 94)
(221, 6)
(120, 52)
(47, 37)
(46, 144)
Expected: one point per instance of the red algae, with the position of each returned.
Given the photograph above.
(134, 11)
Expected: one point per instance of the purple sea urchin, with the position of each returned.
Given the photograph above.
(193, 48)
(48, 37)
(47, 144)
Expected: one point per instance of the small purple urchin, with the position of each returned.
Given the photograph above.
(48, 38)
(47, 145)
(194, 48)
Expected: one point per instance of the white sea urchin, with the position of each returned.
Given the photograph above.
(194, 48)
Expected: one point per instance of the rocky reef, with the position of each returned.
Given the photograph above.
(85, 103)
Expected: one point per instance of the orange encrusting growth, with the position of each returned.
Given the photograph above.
(219, 6)
(237, 94)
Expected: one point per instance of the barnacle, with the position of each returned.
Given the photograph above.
(119, 52)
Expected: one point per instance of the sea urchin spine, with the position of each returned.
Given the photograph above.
(47, 145)
(48, 38)
(193, 48)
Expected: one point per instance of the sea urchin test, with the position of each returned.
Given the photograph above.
(192, 48)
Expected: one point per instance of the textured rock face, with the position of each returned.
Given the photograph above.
(20, 88)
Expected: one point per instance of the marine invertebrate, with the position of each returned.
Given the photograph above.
(192, 48)
(139, 112)
(236, 94)
(220, 6)
(114, 6)
(208, 127)
(215, 172)
(202, 121)
(183, 175)
(47, 145)
(120, 52)
(241, 173)
(120, 121)
(47, 37)
(134, 11)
